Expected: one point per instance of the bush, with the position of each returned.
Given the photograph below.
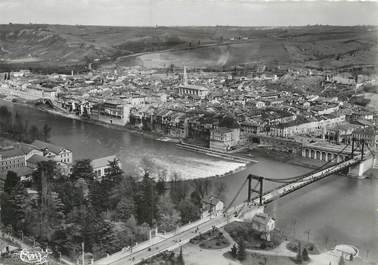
(305, 256)
(234, 251)
(241, 255)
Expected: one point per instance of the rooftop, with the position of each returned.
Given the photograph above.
(195, 87)
(35, 159)
(103, 161)
(49, 146)
(261, 218)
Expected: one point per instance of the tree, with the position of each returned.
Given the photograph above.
(146, 201)
(180, 258)
(202, 187)
(125, 208)
(241, 254)
(99, 195)
(341, 260)
(11, 181)
(46, 132)
(161, 185)
(5, 119)
(34, 133)
(299, 253)
(305, 256)
(115, 172)
(18, 201)
(188, 211)
(71, 195)
(7, 209)
(82, 169)
(127, 187)
(234, 251)
(168, 217)
(179, 189)
(46, 171)
(18, 128)
(220, 189)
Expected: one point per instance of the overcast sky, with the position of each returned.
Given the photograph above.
(187, 12)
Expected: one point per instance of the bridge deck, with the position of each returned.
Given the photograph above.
(285, 189)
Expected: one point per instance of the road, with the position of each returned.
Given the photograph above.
(171, 243)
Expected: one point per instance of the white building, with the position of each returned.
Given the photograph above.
(223, 139)
(101, 165)
(263, 223)
(191, 90)
(212, 207)
(54, 152)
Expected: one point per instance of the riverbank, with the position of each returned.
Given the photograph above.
(131, 129)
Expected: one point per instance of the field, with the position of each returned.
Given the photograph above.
(60, 46)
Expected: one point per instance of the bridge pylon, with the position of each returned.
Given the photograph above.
(259, 190)
(360, 147)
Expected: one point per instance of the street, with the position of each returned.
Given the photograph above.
(171, 243)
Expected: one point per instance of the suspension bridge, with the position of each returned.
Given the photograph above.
(256, 199)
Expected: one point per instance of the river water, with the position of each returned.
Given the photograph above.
(335, 210)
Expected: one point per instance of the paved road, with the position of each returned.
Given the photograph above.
(167, 244)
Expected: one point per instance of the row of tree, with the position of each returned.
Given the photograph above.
(17, 128)
(106, 215)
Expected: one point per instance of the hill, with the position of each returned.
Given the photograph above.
(63, 47)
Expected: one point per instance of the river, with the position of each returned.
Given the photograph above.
(335, 210)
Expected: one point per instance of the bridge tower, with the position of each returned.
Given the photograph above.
(360, 146)
(259, 190)
(366, 161)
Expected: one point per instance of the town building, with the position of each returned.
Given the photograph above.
(312, 126)
(264, 224)
(111, 111)
(212, 207)
(54, 152)
(223, 139)
(101, 165)
(191, 90)
(11, 158)
(14, 157)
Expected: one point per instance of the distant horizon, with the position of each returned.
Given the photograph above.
(190, 13)
(191, 26)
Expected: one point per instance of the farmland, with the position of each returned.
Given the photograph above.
(66, 47)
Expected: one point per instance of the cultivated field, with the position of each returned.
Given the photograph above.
(49, 46)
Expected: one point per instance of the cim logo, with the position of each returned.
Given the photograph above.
(34, 256)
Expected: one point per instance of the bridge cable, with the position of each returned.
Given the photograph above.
(296, 178)
(371, 151)
(237, 194)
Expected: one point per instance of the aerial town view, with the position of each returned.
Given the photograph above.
(188, 132)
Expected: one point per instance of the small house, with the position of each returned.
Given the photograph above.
(263, 223)
(212, 206)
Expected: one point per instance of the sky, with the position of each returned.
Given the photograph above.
(188, 12)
